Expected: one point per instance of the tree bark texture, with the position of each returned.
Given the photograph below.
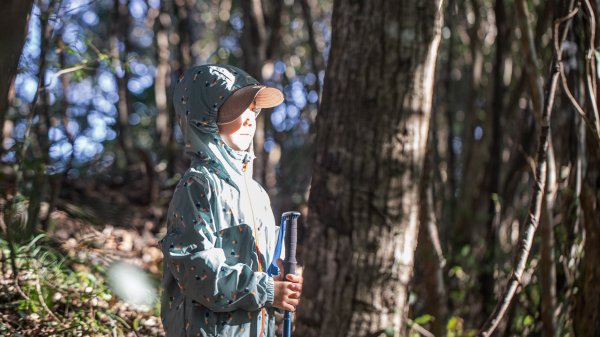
(587, 306)
(163, 27)
(371, 134)
(15, 21)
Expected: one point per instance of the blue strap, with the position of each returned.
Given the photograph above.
(274, 268)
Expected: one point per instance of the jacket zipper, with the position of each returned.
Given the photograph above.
(260, 269)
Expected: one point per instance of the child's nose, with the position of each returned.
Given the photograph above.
(248, 122)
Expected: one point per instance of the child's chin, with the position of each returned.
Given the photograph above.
(241, 146)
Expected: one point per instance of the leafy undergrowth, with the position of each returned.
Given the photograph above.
(61, 287)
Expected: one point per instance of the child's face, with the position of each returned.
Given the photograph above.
(239, 133)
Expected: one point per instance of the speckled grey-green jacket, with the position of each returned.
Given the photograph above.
(212, 282)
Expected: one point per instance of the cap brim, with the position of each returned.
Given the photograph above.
(268, 97)
(238, 102)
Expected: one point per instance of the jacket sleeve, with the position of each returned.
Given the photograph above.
(199, 267)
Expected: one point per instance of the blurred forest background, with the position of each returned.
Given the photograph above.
(90, 156)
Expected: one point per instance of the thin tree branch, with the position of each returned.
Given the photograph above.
(421, 330)
(578, 108)
(38, 288)
(547, 269)
(592, 123)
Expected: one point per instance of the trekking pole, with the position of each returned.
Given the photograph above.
(289, 264)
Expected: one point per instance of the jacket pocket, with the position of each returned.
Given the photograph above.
(239, 246)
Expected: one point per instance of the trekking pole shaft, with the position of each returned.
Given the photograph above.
(289, 264)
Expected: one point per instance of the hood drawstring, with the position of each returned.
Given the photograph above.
(247, 158)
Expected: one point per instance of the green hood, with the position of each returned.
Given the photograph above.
(197, 97)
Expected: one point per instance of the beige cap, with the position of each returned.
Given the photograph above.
(238, 102)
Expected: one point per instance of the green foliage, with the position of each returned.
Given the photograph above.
(424, 319)
(58, 295)
(528, 320)
(461, 281)
(454, 328)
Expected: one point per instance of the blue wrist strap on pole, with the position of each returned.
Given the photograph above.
(274, 268)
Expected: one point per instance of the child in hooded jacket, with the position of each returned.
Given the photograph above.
(221, 232)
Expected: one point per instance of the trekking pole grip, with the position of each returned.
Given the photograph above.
(291, 238)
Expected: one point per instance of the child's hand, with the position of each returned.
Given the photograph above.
(297, 282)
(288, 292)
(286, 297)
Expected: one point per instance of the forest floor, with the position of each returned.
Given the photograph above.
(95, 271)
(64, 286)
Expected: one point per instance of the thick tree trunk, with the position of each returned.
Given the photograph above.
(370, 149)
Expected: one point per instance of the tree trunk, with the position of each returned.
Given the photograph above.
(472, 151)
(430, 260)
(260, 42)
(587, 308)
(494, 164)
(370, 149)
(164, 120)
(447, 104)
(120, 33)
(547, 248)
(254, 45)
(15, 21)
(316, 59)
(40, 144)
